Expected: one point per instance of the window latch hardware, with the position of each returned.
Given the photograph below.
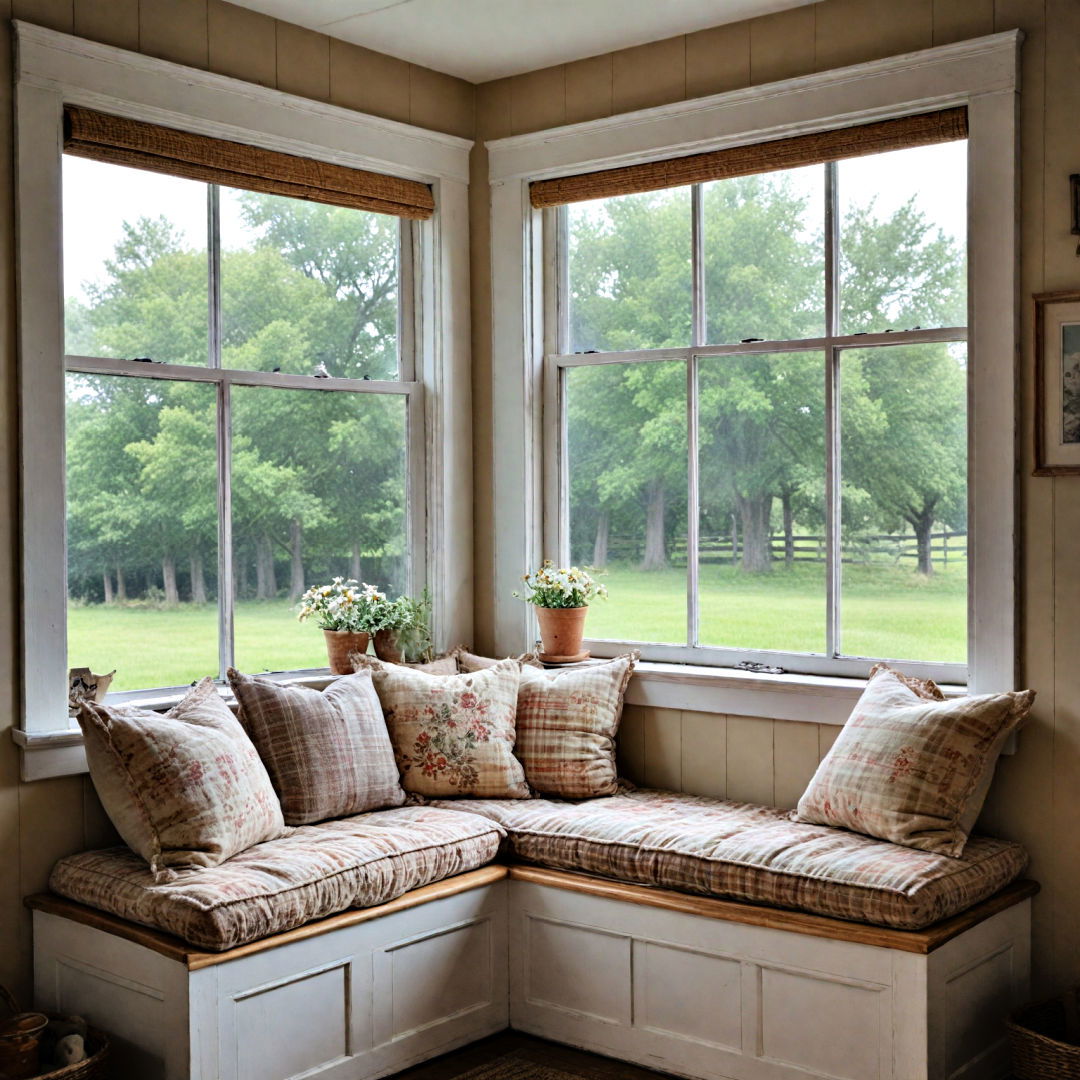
(758, 669)
(750, 340)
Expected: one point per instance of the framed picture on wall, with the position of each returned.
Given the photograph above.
(1057, 384)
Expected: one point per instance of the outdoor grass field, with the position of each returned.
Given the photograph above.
(886, 611)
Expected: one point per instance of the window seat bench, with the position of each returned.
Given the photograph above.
(687, 983)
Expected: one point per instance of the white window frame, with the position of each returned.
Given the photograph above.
(982, 75)
(54, 70)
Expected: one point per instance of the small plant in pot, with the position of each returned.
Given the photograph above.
(561, 597)
(390, 622)
(345, 609)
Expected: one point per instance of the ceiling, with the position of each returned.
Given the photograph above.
(480, 40)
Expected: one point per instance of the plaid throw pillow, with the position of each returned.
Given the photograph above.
(910, 766)
(454, 734)
(566, 726)
(327, 753)
(185, 788)
(446, 664)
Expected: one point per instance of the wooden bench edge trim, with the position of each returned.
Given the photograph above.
(194, 959)
(797, 922)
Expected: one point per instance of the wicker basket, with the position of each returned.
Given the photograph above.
(94, 1067)
(1045, 1039)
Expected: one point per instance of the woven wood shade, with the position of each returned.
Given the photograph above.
(899, 134)
(217, 161)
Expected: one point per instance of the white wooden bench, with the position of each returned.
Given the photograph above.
(693, 985)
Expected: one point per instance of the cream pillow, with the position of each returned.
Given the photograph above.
(454, 734)
(910, 766)
(184, 788)
(446, 664)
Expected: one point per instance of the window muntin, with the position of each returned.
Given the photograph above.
(904, 287)
(220, 319)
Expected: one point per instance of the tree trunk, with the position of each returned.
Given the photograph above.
(734, 539)
(789, 535)
(106, 579)
(198, 580)
(121, 586)
(240, 574)
(756, 548)
(355, 565)
(923, 526)
(296, 552)
(168, 576)
(655, 540)
(265, 578)
(600, 546)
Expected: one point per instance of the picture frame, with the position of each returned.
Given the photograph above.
(1057, 383)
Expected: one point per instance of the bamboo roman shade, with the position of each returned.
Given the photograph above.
(904, 132)
(217, 161)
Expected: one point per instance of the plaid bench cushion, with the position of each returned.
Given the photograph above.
(316, 871)
(752, 853)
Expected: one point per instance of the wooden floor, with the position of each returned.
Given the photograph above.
(520, 1051)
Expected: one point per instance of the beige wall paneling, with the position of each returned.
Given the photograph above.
(750, 770)
(174, 30)
(704, 754)
(589, 88)
(441, 102)
(55, 14)
(630, 744)
(718, 59)
(303, 62)
(663, 748)
(648, 75)
(795, 758)
(955, 20)
(538, 100)
(242, 43)
(827, 735)
(852, 31)
(782, 45)
(369, 81)
(114, 22)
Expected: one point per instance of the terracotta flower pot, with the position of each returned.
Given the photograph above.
(339, 644)
(386, 646)
(561, 629)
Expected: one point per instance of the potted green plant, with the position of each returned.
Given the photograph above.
(561, 597)
(346, 611)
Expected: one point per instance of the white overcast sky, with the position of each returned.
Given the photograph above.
(99, 198)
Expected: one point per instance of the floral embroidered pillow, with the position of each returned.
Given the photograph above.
(566, 726)
(184, 788)
(454, 734)
(911, 766)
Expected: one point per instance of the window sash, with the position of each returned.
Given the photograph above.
(224, 379)
(557, 507)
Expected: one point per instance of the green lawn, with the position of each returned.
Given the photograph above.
(886, 611)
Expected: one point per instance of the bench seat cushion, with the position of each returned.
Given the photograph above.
(752, 853)
(314, 872)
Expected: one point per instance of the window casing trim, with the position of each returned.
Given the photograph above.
(54, 69)
(982, 75)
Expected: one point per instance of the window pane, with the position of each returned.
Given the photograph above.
(904, 462)
(308, 288)
(903, 239)
(761, 478)
(135, 270)
(764, 256)
(629, 271)
(626, 444)
(319, 492)
(142, 529)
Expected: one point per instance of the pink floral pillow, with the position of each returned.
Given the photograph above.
(911, 766)
(454, 734)
(184, 788)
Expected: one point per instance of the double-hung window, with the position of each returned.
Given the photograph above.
(761, 386)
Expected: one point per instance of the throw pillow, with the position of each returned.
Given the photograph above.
(446, 664)
(910, 766)
(566, 726)
(467, 661)
(454, 734)
(328, 753)
(184, 788)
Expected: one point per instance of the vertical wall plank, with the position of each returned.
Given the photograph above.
(795, 757)
(242, 43)
(781, 45)
(663, 748)
(175, 30)
(955, 20)
(648, 75)
(750, 760)
(538, 99)
(704, 754)
(588, 89)
(55, 14)
(303, 62)
(630, 744)
(827, 734)
(718, 60)
(98, 830)
(112, 22)
(852, 31)
(369, 81)
(441, 102)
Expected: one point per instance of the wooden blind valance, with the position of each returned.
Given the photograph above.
(902, 133)
(217, 161)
